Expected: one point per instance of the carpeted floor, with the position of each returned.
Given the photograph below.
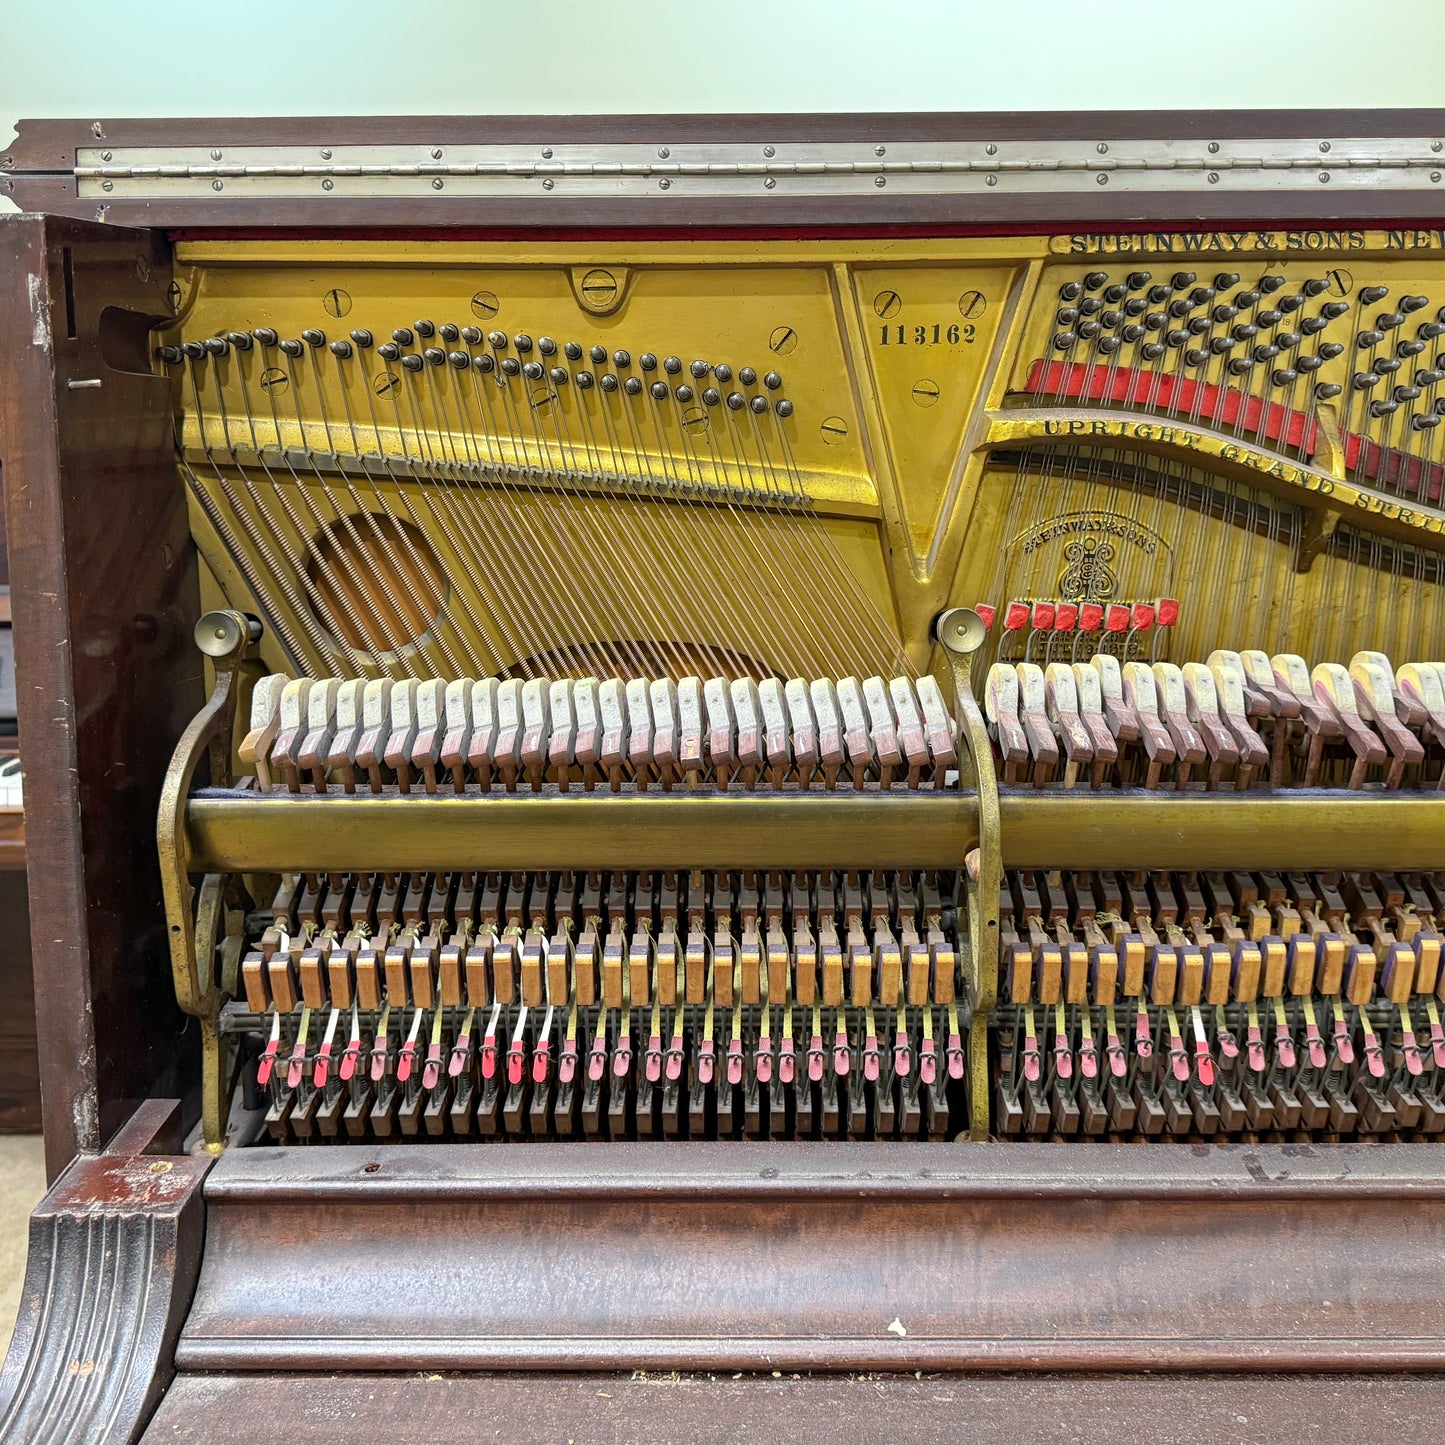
(22, 1186)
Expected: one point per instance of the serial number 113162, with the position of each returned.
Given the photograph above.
(938, 334)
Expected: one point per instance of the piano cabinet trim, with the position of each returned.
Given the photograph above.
(841, 1256)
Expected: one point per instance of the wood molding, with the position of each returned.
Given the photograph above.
(114, 1249)
(841, 1257)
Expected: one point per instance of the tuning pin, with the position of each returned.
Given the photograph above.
(1327, 391)
(1136, 306)
(1332, 349)
(424, 329)
(1137, 280)
(497, 340)
(523, 343)
(1315, 286)
(215, 346)
(290, 347)
(1225, 280)
(1409, 304)
(647, 361)
(1371, 294)
(1384, 408)
(1389, 320)
(340, 349)
(1287, 340)
(1202, 295)
(1360, 381)
(1289, 304)
(572, 351)
(1095, 279)
(1114, 294)
(1286, 376)
(1245, 299)
(1090, 306)
(1244, 332)
(1182, 279)
(632, 386)
(449, 333)
(1265, 353)
(170, 355)
(1270, 284)
(1409, 348)
(1333, 310)
(1158, 295)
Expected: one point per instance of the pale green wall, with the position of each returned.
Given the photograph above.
(118, 57)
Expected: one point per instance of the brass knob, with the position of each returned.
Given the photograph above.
(960, 629)
(225, 633)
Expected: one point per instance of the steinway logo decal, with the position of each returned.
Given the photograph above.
(1186, 243)
(1091, 527)
(1094, 555)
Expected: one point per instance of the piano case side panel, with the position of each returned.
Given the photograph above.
(104, 589)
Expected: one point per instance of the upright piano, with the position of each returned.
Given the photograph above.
(718, 776)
